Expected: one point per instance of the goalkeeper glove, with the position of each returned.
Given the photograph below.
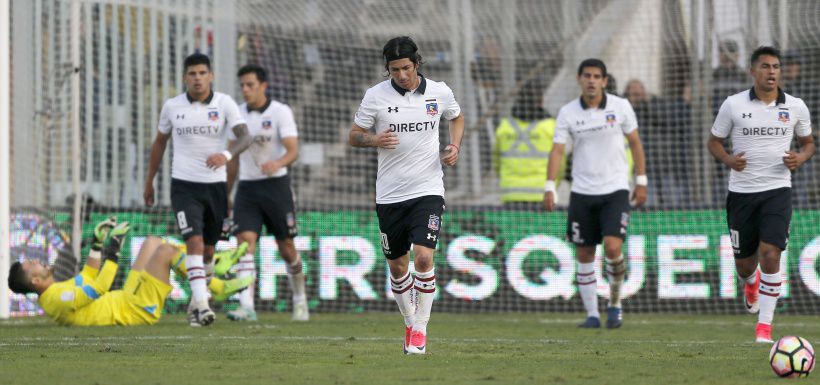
(114, 241)
(101, 232)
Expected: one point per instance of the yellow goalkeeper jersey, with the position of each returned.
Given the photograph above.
(72, 302)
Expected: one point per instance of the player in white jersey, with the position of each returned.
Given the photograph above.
(198, 120)
(595, 125)
(400, 117)
(762, 122)
(264, 195)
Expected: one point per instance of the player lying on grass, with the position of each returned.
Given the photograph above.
(85, 300)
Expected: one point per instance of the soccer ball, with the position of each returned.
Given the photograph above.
(792, 357)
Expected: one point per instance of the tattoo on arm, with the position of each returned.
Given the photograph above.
(243, 139)
(362, 139)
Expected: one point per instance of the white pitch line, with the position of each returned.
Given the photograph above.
(690, 322)
(76, 341)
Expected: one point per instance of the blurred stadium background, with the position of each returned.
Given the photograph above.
(675, 60)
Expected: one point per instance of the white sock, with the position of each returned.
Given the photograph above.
(246, 268)
(750, 280)
(403, 292)
(769, 291)
(425, 288)
(615, 270)
(587, 285)
(296, 281)
(196, 278)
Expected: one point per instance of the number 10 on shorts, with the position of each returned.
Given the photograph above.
(735, 237)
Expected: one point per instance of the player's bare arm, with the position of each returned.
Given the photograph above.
(550, 195)
(793, 159)
(291, 145)
(157, 152)
(736, 162)
(639, 193)
(359, 137)
(242, 142)
(453, 150)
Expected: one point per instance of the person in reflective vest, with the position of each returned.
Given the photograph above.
(522, 148)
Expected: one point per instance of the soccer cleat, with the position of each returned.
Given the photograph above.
(227, 288)
(242, 314)
(300, 313)
(418, 343)
(614, 317)
(751, 295)
(590, 323)
(224, 260)
(200, 315)
(407, 332)
(763, 333)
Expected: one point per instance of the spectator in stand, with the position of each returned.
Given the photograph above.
(794, 81)
(664, 124)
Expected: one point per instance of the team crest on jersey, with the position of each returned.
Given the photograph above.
(434, 222)
(432, 109)
(267, 124)
(213, 115)
(610, 119)
(783, 116)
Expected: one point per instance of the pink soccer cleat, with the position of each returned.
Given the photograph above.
(750, 294)
(418, 343)
(763, 333)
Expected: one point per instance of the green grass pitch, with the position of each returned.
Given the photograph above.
(512, 348)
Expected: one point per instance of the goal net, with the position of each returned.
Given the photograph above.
(511, 65)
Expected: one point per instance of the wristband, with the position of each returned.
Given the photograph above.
(550, 187)
(457, 148)
(228, 155)
(641, 180)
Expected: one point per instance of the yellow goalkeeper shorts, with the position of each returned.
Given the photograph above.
(142, 300)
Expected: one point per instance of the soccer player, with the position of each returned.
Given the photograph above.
(400, 117)
(264, 195)
(761, 122)
(85, 300)
(197, 120)
(595, 124)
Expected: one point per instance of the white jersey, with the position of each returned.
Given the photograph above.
(268, 126)
(199, 131)
(599, 163)
(413, 168)
(764, 132)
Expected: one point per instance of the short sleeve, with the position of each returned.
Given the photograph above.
(287, 124)
(630, 121)
(723, 121)
(803, 126)
(233, 117)
(164, 125)
(451, 108)
(366, 114)
(561, 135)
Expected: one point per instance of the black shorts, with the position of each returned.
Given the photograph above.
(200, 208)
(266, 201)
(592, 217)
(754, 217)
(416, 221)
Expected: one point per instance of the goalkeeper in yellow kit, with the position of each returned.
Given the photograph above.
(85, 300)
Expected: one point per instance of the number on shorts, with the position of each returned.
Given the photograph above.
(181, 221)
(735, 236)
(384, 241)
(576, 232)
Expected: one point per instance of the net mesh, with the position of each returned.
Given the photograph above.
(675, 61)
